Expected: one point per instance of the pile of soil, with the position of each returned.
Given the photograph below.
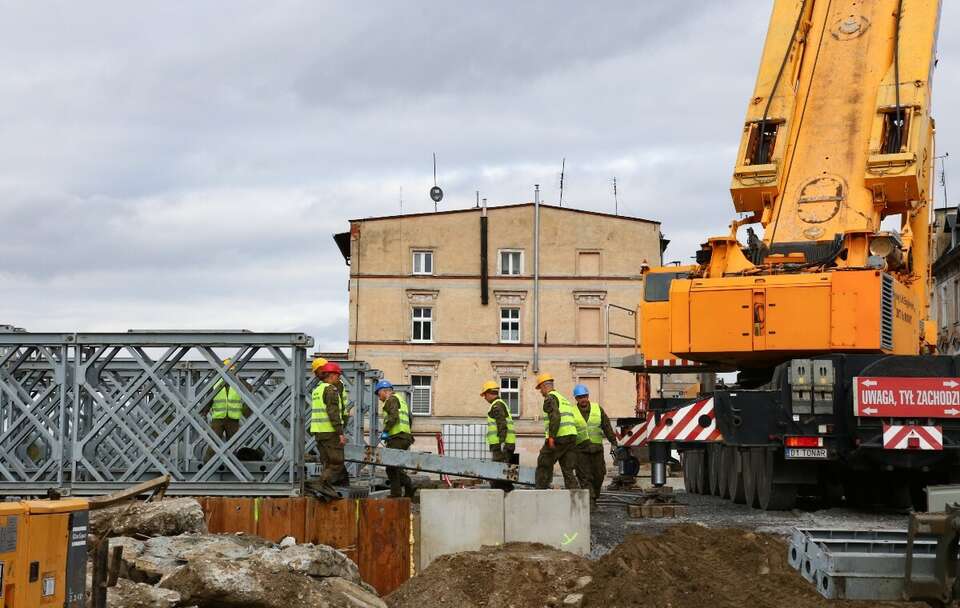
(687, 566)
(691, 566)
(515, 575)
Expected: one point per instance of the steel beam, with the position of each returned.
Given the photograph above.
(433, 463)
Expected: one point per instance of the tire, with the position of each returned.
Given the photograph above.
(713, 462)
(700, 474)
(750, 476)
(687, 475)
(774, 496)
(735, 489)
(723, 475)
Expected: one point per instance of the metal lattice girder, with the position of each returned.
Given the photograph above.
(434, 463)
(108, 410)
(34, 398)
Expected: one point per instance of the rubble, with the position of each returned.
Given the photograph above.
(127, 594)
(222, 583)
(318, 561)
(148, 561)
(168, 517)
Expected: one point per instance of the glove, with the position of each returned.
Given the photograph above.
(384, 436)
(550, 443)
(343, 439)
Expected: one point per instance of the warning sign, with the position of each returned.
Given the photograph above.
(906, 397)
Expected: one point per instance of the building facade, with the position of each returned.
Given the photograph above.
(945, 304)
(436, 307)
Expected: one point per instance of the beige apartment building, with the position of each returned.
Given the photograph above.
(436, 308)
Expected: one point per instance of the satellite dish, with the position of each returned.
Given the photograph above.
(436, 194)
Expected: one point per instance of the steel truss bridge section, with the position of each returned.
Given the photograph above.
(93, 412)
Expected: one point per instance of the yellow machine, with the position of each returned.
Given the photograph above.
(838, 137)
(819, 292)
(43, 553)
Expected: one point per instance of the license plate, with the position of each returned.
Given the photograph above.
(800, 453)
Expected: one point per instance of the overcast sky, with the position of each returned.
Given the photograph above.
(184, 165)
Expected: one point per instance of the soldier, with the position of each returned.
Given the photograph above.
(344, 478)
(560, 431)
(500, 434)
(226, 409)
(584, 466)
(598, 426)
(326, 423)
(396, 435)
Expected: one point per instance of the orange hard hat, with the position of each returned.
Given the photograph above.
(544, 378)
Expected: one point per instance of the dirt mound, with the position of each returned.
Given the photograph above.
(515, 575)
(690, 566)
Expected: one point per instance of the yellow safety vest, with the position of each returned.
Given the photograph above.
(568, 425)
(580, 421)
(403, 422)
(493, 436)
(319, 419)
(593, 424)
(226, 404)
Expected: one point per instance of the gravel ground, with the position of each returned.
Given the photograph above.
(611, 524)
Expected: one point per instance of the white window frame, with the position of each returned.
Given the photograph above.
(500, 269)
(512, 390)
(424, 254)
(414, 387)
(517, 320)
(943, 306)
(414, 319)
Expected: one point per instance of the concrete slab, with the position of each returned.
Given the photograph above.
(559, 518)
(459, 520)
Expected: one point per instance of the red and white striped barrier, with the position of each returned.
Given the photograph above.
(636, 435)
(912, 437)
(671, 363)
(694, 422)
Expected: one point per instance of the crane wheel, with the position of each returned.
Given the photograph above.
(713, 462)
(752, 460)
(771, 495)
(726, 456)
(735, 479)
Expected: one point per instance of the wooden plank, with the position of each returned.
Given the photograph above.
(383, 543)
(213, 513)
(280, 517)
(157, 485)
(333, 523)
(238, 516)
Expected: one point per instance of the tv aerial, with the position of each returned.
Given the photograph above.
(436, 193)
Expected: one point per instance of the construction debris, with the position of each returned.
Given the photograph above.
(168, 517)
(127, 594)
(150, 560)
(512, 575)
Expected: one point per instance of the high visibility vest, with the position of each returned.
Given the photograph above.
(493, 436)
(226, 404)
(581, 422)
(593, 424)
(403, 422)
(319, 418)
(568, 425)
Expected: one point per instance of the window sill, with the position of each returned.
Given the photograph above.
(421, 342)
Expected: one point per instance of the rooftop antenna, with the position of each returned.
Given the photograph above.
(401, 200)
(563, 165)
(616, 202)
(477, 206)
(436, 194)
(943, 176)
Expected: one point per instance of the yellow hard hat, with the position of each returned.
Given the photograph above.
(489, 385)
(317, 363)
(228, 361)
(544, 377)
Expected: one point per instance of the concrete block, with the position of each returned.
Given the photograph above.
(938, 497)
(558, 518)
(452, 521)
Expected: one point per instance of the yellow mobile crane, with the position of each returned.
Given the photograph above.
(825, 315)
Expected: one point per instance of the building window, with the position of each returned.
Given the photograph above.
(588, 263)
(422, 324)
(956, 301)
(422, 262)
(511, 262)
(510, 325)
(510, 393)
(943, 306)
(421, 395)
(589, 327)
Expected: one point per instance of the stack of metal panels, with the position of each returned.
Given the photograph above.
(860, 564)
